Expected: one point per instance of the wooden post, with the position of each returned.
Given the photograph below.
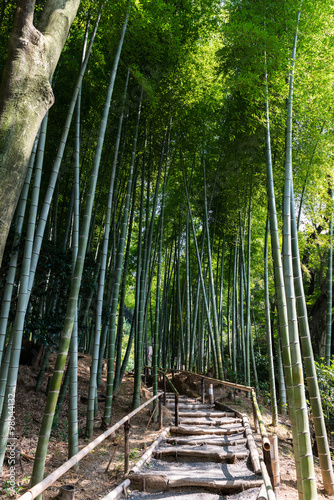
(211, 395)
(254, 417)
(203, 390)
(66, 492)
(176, 409)
(274, 460)
(165, 389)
(267, 461)
(126, 446)
(160, 413)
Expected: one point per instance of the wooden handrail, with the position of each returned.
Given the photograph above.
(56, 474)
(263, 431)
(220, 382)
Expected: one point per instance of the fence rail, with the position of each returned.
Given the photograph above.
(56, 474)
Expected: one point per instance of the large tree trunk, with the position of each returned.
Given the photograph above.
(26, 94)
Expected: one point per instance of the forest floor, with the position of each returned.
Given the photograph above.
(92, 481)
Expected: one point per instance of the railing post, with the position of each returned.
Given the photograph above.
(274, 459)
(267, 461)
(203, 390)
(176, 409)
(126, 446)
(160, 413)
(211, 396)
(165, 389)
(254, 417)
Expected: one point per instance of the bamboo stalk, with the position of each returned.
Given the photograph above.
(269, 489)
(263, 431)
(254, 454)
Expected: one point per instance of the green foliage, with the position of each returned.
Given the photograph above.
(325, 376)
(9, 490)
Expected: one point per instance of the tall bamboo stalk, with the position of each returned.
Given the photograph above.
(310, 369)
(101, 286)
(212, 287)
(71, 309)
(329, 313)
(273, 400)
(10, 279)
(204, 292)
(309, 489)
(280, 290)
(18, 326)
(118, 271)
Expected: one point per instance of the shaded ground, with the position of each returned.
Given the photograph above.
(91, 481)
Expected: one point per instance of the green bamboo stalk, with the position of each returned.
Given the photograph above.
(126, 356)
(280, 290)
(329, 313)
(179, 303)
(62, 396)
(17, 329)
(249, 337)
(118, 273)
(144, 288)
(310, 369)
(120, 324)
(309, 490)
(43, 216)
(228, 313)
(10, 279)
(71, 309)
(244, 344)
(196, 310)
(221, 296)
(206, 302)
(157, 326)
(73, 431)
(273, 400)
(101, 287)
(187, 290)
(281, 382)
(212, 287)
(234, 312)
(139, 292)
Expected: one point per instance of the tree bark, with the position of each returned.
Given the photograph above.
(26, 94)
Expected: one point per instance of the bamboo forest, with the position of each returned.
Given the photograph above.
(166, 204)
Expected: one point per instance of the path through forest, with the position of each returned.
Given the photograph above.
(91, 481)
(207, 452)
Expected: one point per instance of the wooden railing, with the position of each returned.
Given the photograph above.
(56, 474)
(258, 420)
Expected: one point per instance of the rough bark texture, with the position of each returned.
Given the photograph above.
(26, 94)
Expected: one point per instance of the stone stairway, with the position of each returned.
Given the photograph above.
(204, 457)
